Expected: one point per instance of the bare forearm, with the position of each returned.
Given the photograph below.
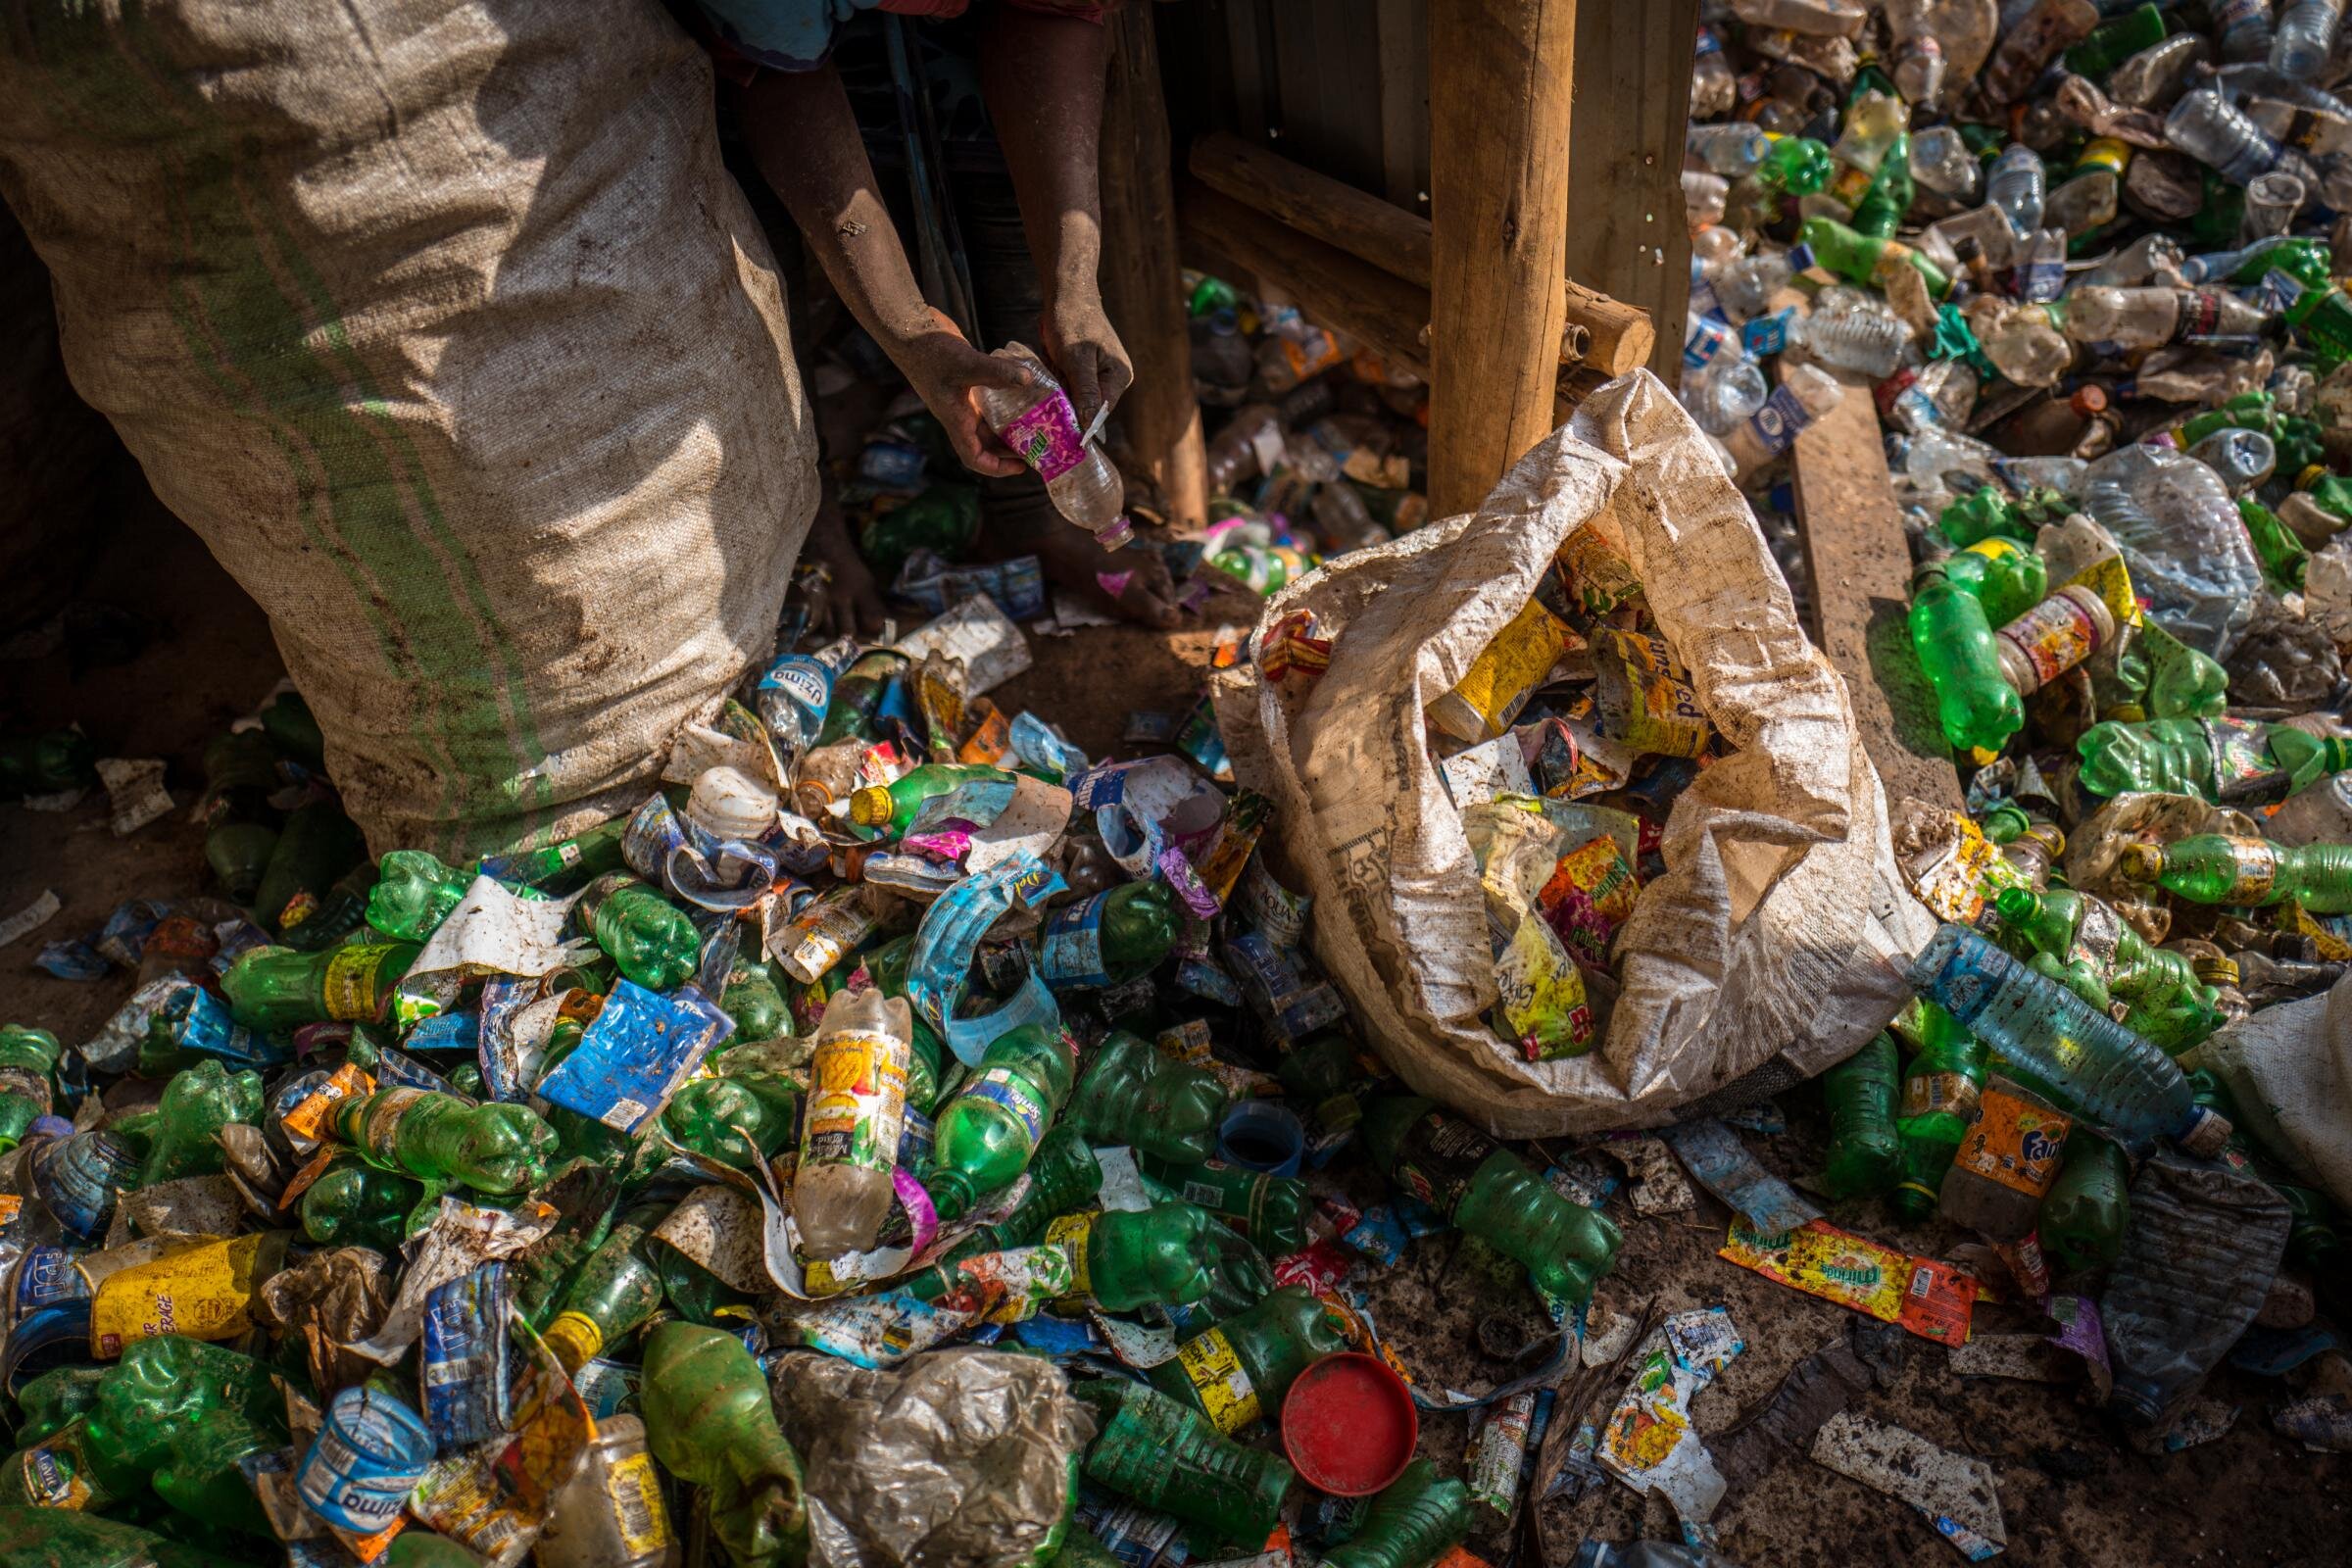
(1043, 77)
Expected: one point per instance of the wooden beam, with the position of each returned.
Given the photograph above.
(1599, 332)
(1330, 286)
(1500, 75)
(1860, 565)
(1142, 293)
(1625, 163)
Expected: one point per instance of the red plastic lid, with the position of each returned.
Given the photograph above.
(1349, 1425)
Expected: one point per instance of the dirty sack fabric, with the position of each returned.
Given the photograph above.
(442, 323)
(1777, 929)
(2289, 1072)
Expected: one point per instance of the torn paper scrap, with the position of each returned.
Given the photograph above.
(39, 912)
(1648, 1442)
(1658, 1184)
(135, 792)
(1954, 1490)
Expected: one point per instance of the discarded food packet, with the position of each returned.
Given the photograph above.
(1379, 1236)
(1499, 1445)
(1151, 726)
(1017, 586)
(1044, 748)
(1930, 1299)
(463, 1359)
(1591, 892)
(200, 1021)
(1646, 701)
(1278, 988)
(977, 632)
(1486, 772)
(641, 1046)
(71, 961)
(1649, 1441)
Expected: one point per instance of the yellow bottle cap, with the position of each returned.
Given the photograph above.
(2142, 863)
(870, 805)
(575, 1338)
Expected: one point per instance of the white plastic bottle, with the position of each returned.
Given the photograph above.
(1039, 423)
(1808, 393)
(850, 1131)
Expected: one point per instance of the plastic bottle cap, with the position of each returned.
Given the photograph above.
(2221, 970)
(1262, 1135)
(2206, 1133)
(1349, 1425)
(2142, 863)
(870, 806)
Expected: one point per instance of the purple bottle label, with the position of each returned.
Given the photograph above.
(1071, 954)
(1046, 436)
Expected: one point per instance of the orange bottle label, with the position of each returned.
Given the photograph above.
(2015, 1142)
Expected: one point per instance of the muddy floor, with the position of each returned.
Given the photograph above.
(2071, 1492)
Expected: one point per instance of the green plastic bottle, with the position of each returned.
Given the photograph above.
(2312, 1238)
(1888, 201)
(1984, 514)
(568, 863)
(1940, 1091)
(1953, 639)
(753, 1000)
(2176, 755)
(1272, 1210)
(1131, 1094)
(2111, 43)
(1489, 1193)
(1864, 1155)
(2084, 1211)
(1064, 1178)
(613, 1295)
(45, 1403)
(46, 762)
(1796, 165)
(891, 806)
(355, 1205)
(944, 518)
(240, 774)
(2245, 872)
(1111, 938)
(202, 1472)
(1319, 1075)
(2284, 560)
(413, 894)
(886, 965)
(316, 846)
(28, 1080)
(2006, 577)
(338, 917)
(1124, 1259)
(419, 1547)
(988, 1131)
(739, 1119)
(1855, 257)
(197, 1104)
(65, 1537)
(857, 695)
(709, 1422)
(2083, 945)
(277, 990)
(1236, 1372)
(495, 1148)
(1174, 1459)
(693, 1291)
(1412, 1523)
(648, 937)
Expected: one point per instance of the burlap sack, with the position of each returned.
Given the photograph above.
(1774, 929)
(440, 320)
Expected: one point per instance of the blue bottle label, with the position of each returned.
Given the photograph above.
(1000, 1086)
(1071, 953)
(1777, 423)
(370, 1453)
(1767, 334)
(641, 1046)
(462, 1358)
(48, 1276)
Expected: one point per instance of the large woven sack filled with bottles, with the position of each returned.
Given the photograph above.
(444, 327)
(1770, 939)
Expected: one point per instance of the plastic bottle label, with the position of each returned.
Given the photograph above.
(1310, 355)
(48, 1275)
(1072, 1233)
(1004, 1086)
(804, 680)
(1437, 1159)
(2052, 637)
(351, 988)
(201, 1291)
(822, 935)
(857, 1102)
(635, 1492)
(1226, 1391)
(1046, 436)
(1071, 953)
(48, 1480)
(307, 1123)
(2254, 866)
(2014, 1142)
(1708, 334)
(1777, 424)
(463, 1359)
(1927, 1093)
(1501, 1449)
(361, 1467)
(1767, 334)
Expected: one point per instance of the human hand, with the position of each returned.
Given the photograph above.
(947, 374)
(1086, 354)
(850, 603)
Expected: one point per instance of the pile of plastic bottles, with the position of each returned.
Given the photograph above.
(2082, 258)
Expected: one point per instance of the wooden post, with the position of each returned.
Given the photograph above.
(1500, 74)
(1141, 289)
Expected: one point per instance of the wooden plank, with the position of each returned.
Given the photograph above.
(1403, 28)
(1860, 565)
(1142, 292)
(1221, 235)
(1628, 237)
(1499, 75)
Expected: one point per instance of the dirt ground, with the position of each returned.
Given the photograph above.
(2071, 1491)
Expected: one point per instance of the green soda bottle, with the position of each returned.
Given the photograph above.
(1984, 514)
(1174, 1459)
(2006, 577)
(615, 1293)
(413, 894)
(1796, 165)
(1163, 1255)
(945, 518)
(692, 1291)
(1413, 1522)
(1320, 1074)
(240, 774)
(2176, 755)
(1236, 1372)
(753, 1000)
(649, 939)
(1940, 1092)
(419, 1547)
(1080, 1548)
(197, 1104)
(1953, 639)
(857, 695)
(355, 1205)
(739, 1119)
(2245, 872)
(1886, 202)
(2327, 493)
(1111, 938)
(1272, 1210)
(988, 1132)
(61, 1536)
(2083, 945)
(1864, 1155)
(47, 763)
(45, 1403)
(203, 1476)
(339, 916)
(28, 1080)
(1855, 257)
(709, 1422)
(2312, 1239)
(568, 864)
(1064, 1178)
(1489, 1193)
(2324, 315)
(891, 806)
(317, 845)
(277, 990)
(2083, 1213)
(1131, 1094)
(2284, 560)
(287, 719)
(496, 1148)
(2111, 43)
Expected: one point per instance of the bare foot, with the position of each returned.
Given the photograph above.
(851, 603)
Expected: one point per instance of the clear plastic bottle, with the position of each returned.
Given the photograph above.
(2216, 134)
(2242, 29)
(2151, 255)
(2052, 1042)
(850, 1134)
(1918, 55)
(1746, 286)
(2025, 347)
(1866, 339)
(1808, 393)
(1942, 162)
(1039, 423)
(1713, 87)
(2244, 459)
(1731, 149)
(1727, 393)
(2304, 36)
(2181, 538)
(2016, 185)
(1704, 197)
